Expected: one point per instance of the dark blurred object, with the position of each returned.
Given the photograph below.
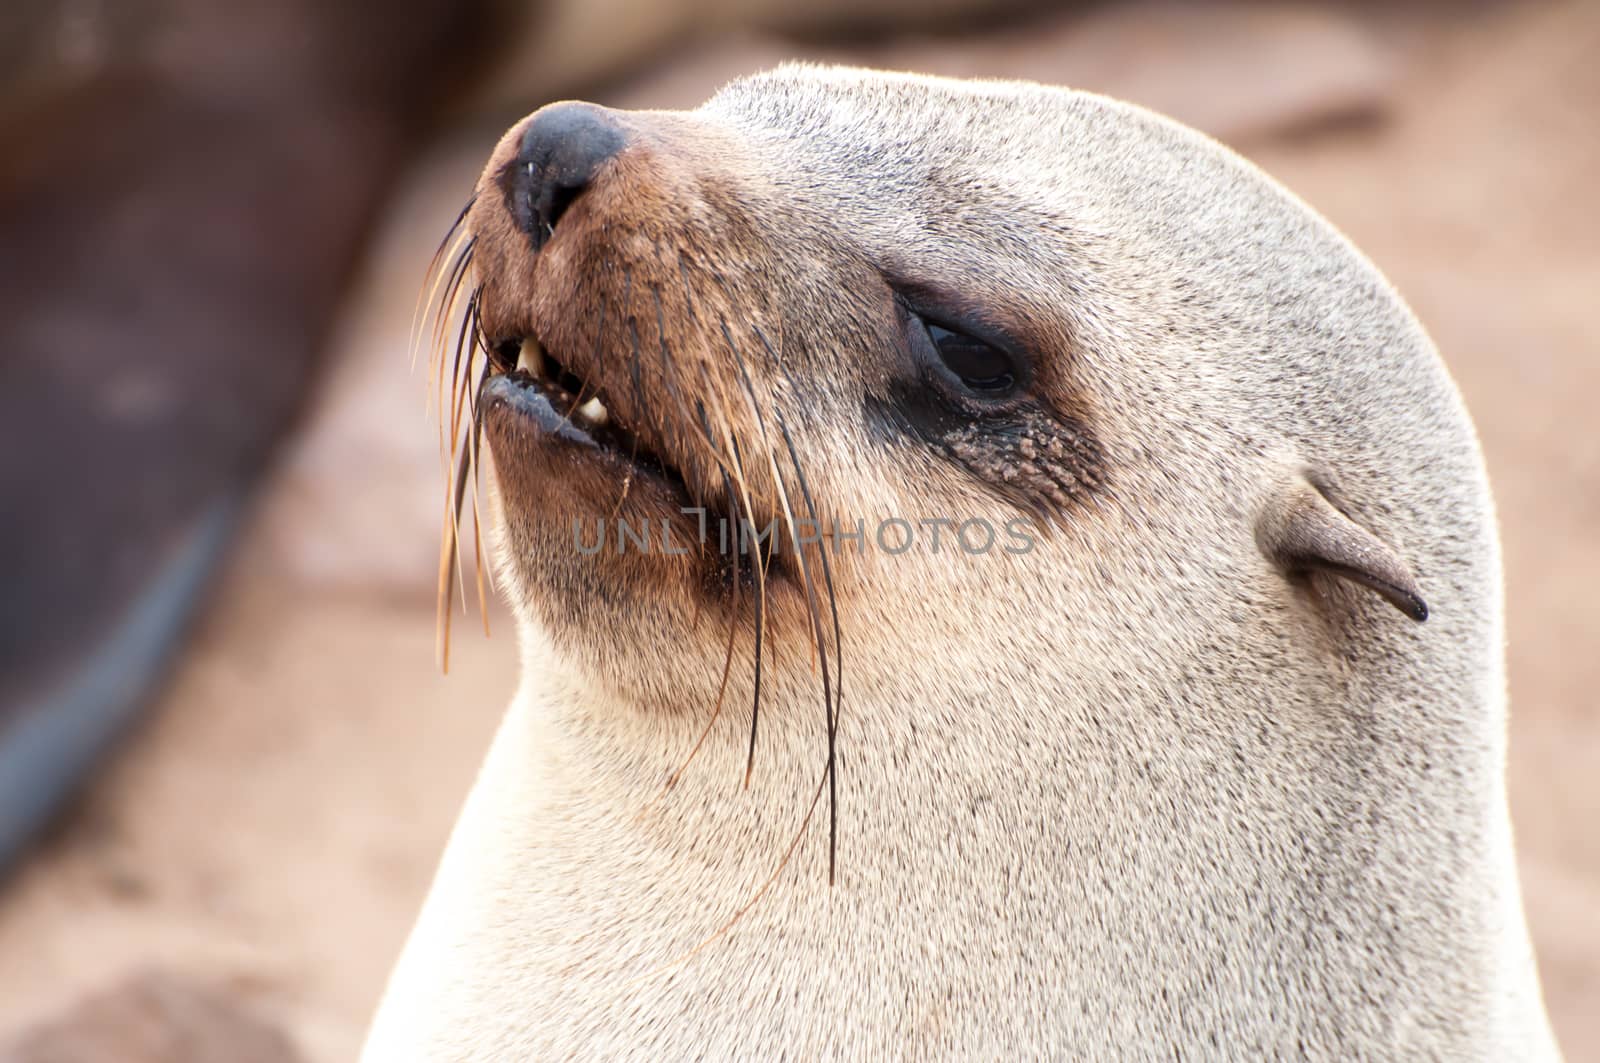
(183, 187)
(153, 1017)
(582, 46)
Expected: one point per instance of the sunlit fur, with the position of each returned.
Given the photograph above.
(1133, 793)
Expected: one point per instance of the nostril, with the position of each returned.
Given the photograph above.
(561, 198)
(563, 148)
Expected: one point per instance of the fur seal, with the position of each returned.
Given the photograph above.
(1185, 775)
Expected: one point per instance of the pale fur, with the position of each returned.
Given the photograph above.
(1134, 794)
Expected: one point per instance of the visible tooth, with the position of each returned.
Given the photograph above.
(530, 358)
(593, 411)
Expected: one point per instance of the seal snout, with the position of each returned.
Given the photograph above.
(562, 148)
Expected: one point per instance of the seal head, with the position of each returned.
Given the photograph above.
(1153, 763)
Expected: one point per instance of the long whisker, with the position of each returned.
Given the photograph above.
(805, 491)
(464, 334)
(669, 373)
(758, 565)
(669, 377)
(425, 292)
(484, 572)
(740, 503)
(729, 444)
(788, 514)
(828, 709)
(452, 281)
(829, 698)
(438, 346)
(460, 424)
(429, 304)
(474, 451)
(755, 408)
(461, 387)
(838, 655)
(448, 557)
(777, 479)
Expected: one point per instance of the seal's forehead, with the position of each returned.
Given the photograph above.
(845, 106)
(942, 152)
(901, 165)
(888, 151)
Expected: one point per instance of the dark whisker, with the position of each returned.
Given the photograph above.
(761, 423)
(669, 376)
(475, 449)
(838, 651)
(759, 600)
(451, 287)
(450, 233)
(425, 294)
(467, 343)
(829, 702)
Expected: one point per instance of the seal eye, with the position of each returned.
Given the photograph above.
(982, 368)
(978, 366)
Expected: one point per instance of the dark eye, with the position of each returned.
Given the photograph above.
(981, 367)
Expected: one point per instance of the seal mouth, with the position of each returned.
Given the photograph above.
(524, 377)
(527, 377)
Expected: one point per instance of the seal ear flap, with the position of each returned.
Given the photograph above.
(1301, 532)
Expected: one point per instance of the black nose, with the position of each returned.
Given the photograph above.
(563, 148)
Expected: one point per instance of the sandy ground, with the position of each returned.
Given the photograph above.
(273, 827)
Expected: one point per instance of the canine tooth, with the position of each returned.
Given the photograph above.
(530, 357)
(593, 411)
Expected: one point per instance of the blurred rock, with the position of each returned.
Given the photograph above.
(153, 1017)
(695, 73)
(184, 185)
(1234, 70)
(565, 46)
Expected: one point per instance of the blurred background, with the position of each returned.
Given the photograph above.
(228, 760)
